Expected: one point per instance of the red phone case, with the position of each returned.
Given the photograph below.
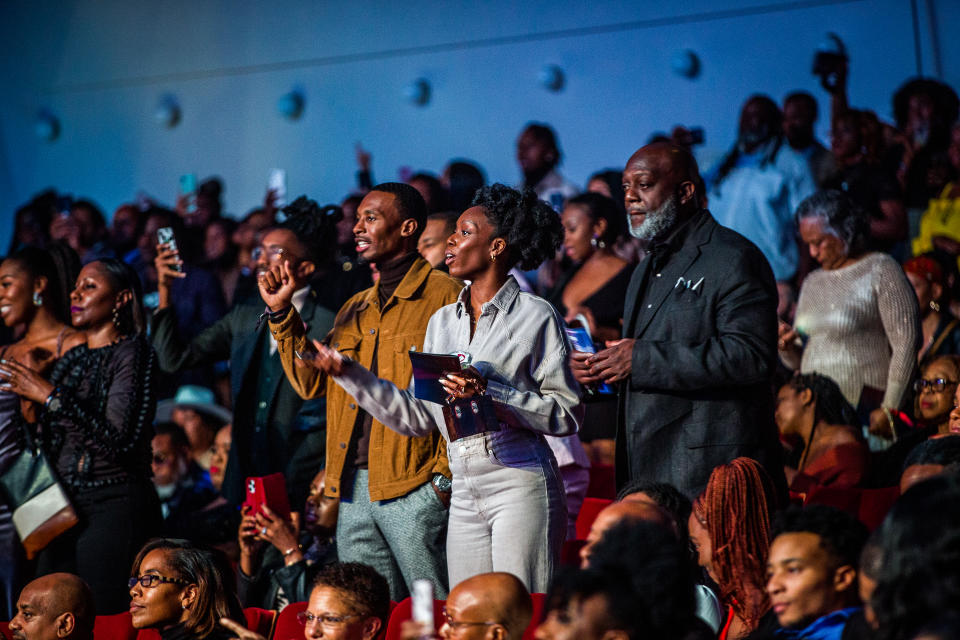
(271, 491)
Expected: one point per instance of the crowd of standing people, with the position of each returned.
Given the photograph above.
(758, 350)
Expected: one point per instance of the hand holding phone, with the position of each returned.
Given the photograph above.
(165, 238)
(271, 491)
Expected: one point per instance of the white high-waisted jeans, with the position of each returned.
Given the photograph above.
(507, 511)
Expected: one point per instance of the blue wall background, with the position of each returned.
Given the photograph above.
(102, 66)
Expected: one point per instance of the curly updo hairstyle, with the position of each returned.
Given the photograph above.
(315, 228)
(531, 229)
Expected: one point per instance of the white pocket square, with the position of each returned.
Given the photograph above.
(684, 283)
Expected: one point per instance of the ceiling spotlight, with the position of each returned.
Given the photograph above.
(290, 105)
(47, 126)
(552, 78)
(685, 63)
(418, 92)
(167, 113)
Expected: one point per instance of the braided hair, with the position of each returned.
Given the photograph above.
(315, 228)
(736, 510)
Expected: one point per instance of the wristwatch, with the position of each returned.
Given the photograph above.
(52, 403)
(442, 483)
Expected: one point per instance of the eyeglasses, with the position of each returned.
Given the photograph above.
(937, 385)
(326, 620)
(150, 580)
(273, 253)
(454, 624)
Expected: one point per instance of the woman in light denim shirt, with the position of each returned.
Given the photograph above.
(507, 511)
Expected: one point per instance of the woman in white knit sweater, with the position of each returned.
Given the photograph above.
(857, 318)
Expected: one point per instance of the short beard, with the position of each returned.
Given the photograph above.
(657, 222)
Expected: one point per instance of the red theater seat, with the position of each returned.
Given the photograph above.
(287, 627)
(538, 601)
(603, 482)
(115, 627)
(588, 513)
(260, 620)
(404, 611)
(870, 506)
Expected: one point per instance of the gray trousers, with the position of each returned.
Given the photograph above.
(507, 511)
(403, 538)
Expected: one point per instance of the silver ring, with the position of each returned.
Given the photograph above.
(263, 531)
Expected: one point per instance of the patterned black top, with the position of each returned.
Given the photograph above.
(97, 432)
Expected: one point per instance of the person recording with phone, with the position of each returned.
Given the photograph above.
(507, 511)
(274, 430)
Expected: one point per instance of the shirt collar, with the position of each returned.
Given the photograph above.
(502, 300)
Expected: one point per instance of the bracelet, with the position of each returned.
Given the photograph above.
(51, 397)
(887, 412)
(291, 550)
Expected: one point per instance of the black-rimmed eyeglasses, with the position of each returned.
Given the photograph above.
(150, 580)
(936, 385)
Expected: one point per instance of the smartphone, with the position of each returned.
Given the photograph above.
(277, 182)
(271, 491)
(64, 205)
(188, 189)
(165, 237)
(581, 341)
(422, 605)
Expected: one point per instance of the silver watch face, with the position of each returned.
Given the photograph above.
(54, 404)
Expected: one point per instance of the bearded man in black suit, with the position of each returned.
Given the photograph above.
(699, 345)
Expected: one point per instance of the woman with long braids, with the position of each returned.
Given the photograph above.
(507, 510)
(34, 293)
(811, 407)
(98, 405)
(730, 530)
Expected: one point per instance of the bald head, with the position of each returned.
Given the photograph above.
(661, 188)
(58, 605)
(500, 598)
(629, 511)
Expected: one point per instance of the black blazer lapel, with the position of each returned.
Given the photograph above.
(675, 269)
(633, 291)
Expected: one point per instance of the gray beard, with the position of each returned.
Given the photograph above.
(657, 222)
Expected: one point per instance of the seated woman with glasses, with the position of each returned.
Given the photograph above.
(811, 409)
(935, 394)
(182, 591)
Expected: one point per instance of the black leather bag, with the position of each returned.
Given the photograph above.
(470, 416)
(41, 508)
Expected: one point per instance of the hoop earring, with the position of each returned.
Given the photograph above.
(37, 299)
(493, 257)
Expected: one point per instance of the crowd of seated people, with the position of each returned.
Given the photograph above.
(167, 385)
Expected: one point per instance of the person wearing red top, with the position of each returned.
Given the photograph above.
(812, 409)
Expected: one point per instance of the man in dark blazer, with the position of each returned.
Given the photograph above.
(274, 430)
(699, 345)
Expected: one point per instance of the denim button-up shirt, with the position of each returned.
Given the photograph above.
(518, 345)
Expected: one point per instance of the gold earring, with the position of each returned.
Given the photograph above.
(493, 257)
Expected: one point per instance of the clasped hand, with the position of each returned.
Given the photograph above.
(464, 384)
(613, 364)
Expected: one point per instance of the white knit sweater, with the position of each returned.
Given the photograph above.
(863, 327)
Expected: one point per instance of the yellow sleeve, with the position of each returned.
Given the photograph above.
(290, 335)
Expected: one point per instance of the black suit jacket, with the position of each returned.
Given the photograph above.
(297, 428)
(700, 391)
